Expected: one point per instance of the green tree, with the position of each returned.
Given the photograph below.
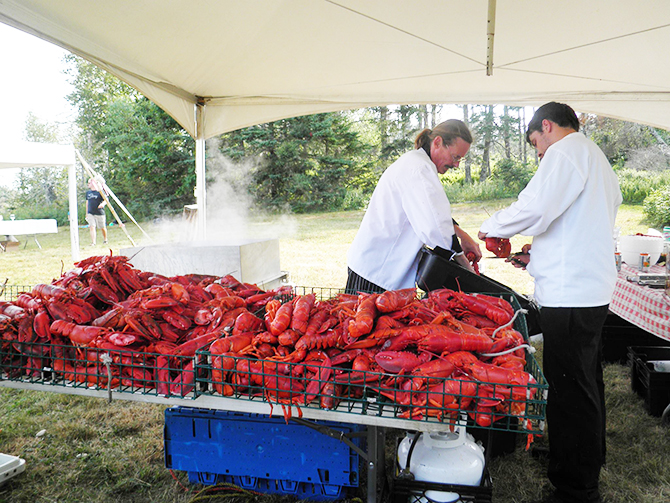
(41, 192)
(150, 159)
(616, 138)
(487, 127)
(467, 162)
(146, 158)
(306, 163)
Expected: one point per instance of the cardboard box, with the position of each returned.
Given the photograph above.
(9, 246)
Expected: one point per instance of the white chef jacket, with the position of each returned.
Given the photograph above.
(408, 209)
(570, 207)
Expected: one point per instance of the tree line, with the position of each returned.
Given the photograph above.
(321, 162)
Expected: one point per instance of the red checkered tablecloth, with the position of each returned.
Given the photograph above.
(645, 307)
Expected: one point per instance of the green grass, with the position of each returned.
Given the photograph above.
(95, 451)
(313, 247)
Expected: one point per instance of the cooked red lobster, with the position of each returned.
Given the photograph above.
(110, 325)
(501, 247)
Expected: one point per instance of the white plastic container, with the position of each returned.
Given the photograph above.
(630, 248)
(10, 466)
(443, 457)
(660, 365)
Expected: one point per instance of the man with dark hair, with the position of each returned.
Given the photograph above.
(569, 207)
(559, 113)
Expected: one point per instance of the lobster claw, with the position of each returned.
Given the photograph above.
(472, 258)
(501, 247)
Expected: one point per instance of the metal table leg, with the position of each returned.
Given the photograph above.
(376, 472)
(36, 241)
(374, 457)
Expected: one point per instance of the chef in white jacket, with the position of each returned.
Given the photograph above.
(569, 207)
(408, 209)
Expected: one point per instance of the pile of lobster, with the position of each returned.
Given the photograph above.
(437, 356)
(108, 325)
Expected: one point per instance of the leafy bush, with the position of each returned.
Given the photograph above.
(453, 177)
(477, 191)
(636, 185)
(657, 207)
(508, 179)
(355, 199)
(56, 211)
(514, 175)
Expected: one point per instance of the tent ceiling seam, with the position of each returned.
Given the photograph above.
(590, 44)
(413, 35)
(584, 77)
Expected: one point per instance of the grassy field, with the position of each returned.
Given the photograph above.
(313, 247)
(88, 450)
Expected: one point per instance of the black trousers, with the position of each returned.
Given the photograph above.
(356, 283)
(576, 401)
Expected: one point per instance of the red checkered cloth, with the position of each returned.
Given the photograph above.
(645, 307)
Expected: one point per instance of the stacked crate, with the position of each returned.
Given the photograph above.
(619, 334)
(261, 453)
(650, 384)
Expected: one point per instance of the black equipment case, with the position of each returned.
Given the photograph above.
(438, 270)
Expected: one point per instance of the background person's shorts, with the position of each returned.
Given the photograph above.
(97, 221)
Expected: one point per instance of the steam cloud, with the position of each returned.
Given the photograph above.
(232, 215)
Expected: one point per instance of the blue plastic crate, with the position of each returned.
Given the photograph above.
(259, 452)
(301, 490)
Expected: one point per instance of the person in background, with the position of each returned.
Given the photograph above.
(408, 209)
(569, 207)
(95, 213)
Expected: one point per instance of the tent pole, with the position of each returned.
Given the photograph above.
(125, 210)
(490, 33)
(200, 190)
(74, 219)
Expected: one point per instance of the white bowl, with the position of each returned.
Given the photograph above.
(630, 248)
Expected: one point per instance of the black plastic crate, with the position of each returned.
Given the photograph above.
(262, 453)
(436, 271)
(651, 385)
(618, 334)
(413, 491)
(498, 443)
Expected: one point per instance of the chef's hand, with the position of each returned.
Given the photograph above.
(463, 261)
(519, 260)
(469, 245)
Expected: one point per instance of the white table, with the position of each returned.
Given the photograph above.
(30, 227)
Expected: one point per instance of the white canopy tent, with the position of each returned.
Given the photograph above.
(29, 154)
(219, 65)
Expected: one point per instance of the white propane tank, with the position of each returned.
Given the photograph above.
(443, 457)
